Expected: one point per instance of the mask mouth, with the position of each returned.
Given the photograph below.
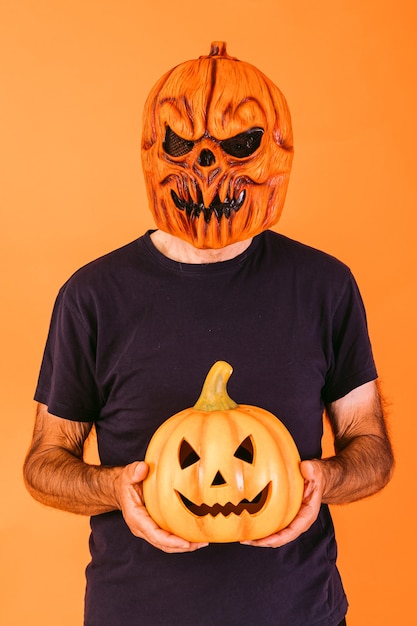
(193, 209)
(251, 506)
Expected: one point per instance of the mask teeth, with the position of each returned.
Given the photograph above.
(201, 228)
(208, 196)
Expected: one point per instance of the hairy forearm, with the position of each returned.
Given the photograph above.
(360, 469)
(60, 479)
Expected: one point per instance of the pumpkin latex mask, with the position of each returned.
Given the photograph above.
(216, 150)
(222, 472)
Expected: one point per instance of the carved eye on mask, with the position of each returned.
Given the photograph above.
(243, 144)
(176, 146)
(239, 146)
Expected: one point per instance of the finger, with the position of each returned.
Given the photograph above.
(304, 519)
(143, 526)
(288, 534)
(139, 471)
(171, 543)
(139, 520)
(308, 470)
(168, 542)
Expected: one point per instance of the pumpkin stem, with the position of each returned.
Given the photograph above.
(214, 396)
(218, 48)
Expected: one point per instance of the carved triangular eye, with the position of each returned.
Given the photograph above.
(187, 455)
(245, 450)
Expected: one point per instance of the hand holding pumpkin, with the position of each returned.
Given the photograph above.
(308, 513)
(129, 495)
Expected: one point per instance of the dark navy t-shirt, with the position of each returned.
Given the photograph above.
(132, 337)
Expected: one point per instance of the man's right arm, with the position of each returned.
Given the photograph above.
(56, 475)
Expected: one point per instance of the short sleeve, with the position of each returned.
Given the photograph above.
(351, 360)
(66, 381)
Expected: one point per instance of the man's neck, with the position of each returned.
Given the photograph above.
(179, 250)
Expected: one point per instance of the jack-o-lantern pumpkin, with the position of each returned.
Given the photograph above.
(222, 472)
(216, 150)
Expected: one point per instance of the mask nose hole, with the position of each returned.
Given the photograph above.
(218, 480)
(206, 158)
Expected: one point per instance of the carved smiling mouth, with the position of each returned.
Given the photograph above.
(194, 209)
(251, 506)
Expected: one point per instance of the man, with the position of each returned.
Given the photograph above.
(134, 333)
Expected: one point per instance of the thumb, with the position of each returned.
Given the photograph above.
(308, 470)
(314, 477)
(139, 471)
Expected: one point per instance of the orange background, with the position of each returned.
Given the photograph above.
(74, 76)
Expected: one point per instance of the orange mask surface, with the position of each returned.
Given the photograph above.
(216, 150)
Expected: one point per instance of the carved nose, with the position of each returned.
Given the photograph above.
(206, 158)
(218, 480)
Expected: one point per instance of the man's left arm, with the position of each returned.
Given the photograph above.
(362, 464)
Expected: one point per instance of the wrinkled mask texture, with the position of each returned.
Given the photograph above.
(216, 150)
